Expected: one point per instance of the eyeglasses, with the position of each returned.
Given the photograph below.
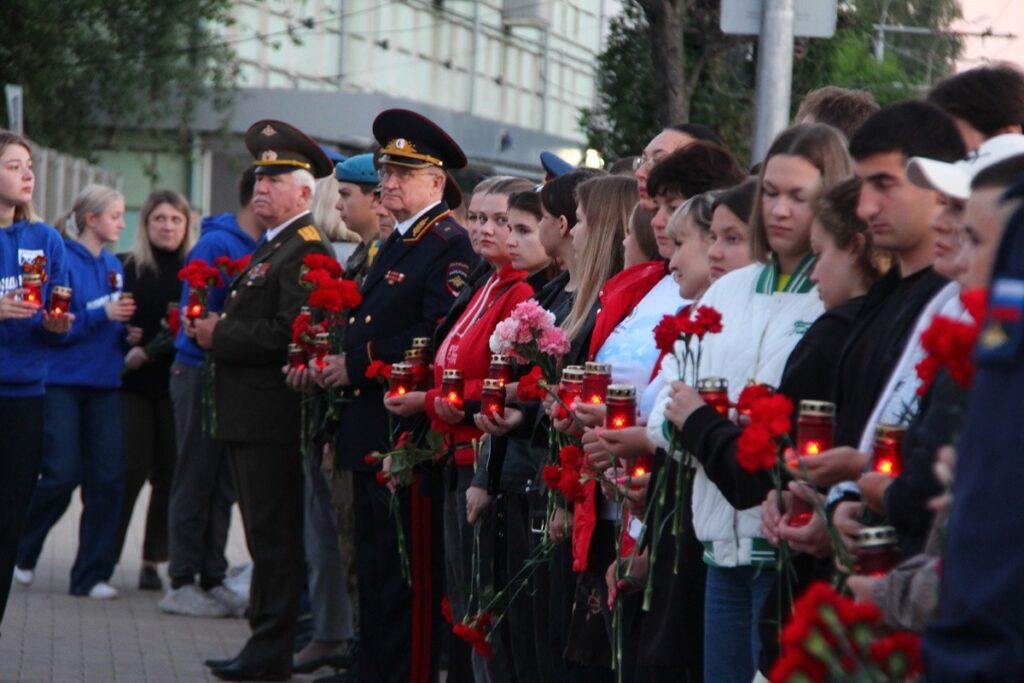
(644, 160)
(402, 174)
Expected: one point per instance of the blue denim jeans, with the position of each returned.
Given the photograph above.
(81, 447)
(732, 609)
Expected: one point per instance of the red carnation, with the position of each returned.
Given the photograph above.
(378, 370)
(571, 456)
(531, 387)
(899, 654)
(323, 262)
(750, 393)
(666, 333)
(446, 609)
(707, 321)
(382, 477)
(948, 344)
(200, 275)
(173, 320)
(370, 459)
(551, 474)
(758, 448)
(232, 266)
(570, 485)
(975, 301)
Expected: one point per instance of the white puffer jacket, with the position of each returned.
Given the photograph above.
(760, 327)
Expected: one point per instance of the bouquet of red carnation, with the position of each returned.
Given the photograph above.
(201, 278)
(950, 343)
(566, 477)
(330, 297)
(688, 326)
(830, 637)
(304, 331)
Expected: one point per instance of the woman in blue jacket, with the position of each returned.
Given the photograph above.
(82, 411)
(25, 333)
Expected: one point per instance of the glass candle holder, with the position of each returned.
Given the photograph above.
(570, 389)
(715, 392)
(597, 377)
(402, 379)
(621, 407)
(814, 429)
(419, 368)
(492, 398)
(297, 357)
(194, 306)
(126, 296)
(321, 347)
(452, 387)
(60, 300)
(877, 550)
(32, 288)
(641, 466)
(887, 451)
(425, 345)
(500, 368)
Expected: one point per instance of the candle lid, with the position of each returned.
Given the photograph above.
(414, 354)
(818, 408)
(572, 373)
(712, 384)
(61, 290)
(621, 391)
(493, 385)
(593, 368)
(421, 342)
(501, 359)
(451, 374)
(31, 278)
(874, 536)
(401, 369)
(126, 296)
(889, 432)
(294, 348)
(306, 310)
(322, 338)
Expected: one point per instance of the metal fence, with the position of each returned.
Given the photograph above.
(59, 179)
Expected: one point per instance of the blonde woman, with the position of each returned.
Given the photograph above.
(164, 238)
(82, 417)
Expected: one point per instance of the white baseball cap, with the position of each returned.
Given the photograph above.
(954, 180)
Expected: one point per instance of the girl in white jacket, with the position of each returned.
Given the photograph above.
(766, 308)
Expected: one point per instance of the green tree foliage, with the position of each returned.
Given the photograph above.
(92, 67)
(723, 69)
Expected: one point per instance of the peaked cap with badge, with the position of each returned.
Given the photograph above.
(278, 147)
(412, 140)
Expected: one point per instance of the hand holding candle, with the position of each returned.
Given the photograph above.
(60, 300)
(814, 429)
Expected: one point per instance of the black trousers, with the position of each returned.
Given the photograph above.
(21, 448)
(149, 453)
(269, 482)
(400, 628)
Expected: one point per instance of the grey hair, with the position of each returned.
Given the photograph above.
(304, 178)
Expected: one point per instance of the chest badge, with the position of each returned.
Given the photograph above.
(258, 273)
(393, 277)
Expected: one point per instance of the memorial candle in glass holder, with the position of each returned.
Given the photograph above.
(297, 357)
(126, 296)
(814, 429)
(419, 369)
(60, 300)
(500, 368)
(194, 306)
(321, 347)
(452, 386)
(425, 345)
(402, 380)
(492, 397)
(641, 466)
(887, 451)
(715, 392)
(597, 377)
(621, 407)
(32, 288)
(877, 550)
(570, 388)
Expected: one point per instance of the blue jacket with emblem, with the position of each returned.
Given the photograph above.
(24, 344)
(221, 236)
(92, 353)
(407, 291)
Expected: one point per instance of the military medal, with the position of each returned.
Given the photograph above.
(393, 277)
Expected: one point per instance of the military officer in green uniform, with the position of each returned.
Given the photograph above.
(411, 285)
(257, 415)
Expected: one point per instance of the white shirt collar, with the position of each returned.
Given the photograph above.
(275, 231)
(404, 226)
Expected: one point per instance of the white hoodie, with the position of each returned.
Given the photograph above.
(760, 327)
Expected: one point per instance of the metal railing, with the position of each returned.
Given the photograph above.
(59, 179)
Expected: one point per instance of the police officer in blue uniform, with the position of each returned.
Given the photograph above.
(979, 633)
(409, 287)
(257, 414)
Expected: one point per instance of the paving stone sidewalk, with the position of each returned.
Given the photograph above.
(51, 636)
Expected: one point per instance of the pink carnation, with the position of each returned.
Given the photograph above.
(554, 342)
(533, 315)
(504, 336)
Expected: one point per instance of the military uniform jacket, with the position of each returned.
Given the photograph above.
(407, 291)
(250, 343)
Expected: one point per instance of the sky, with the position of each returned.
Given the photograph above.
(1003, 16)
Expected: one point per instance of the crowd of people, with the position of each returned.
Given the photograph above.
(783, 359)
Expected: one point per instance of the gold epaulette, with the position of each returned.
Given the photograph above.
(309, 233)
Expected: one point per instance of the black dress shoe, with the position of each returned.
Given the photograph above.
(219, 663)
(149, 579)
(239, 670)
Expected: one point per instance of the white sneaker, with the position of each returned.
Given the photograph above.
(192, 601)
(24, 576)
(102, 591)
(239, 579)
(230, 599)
